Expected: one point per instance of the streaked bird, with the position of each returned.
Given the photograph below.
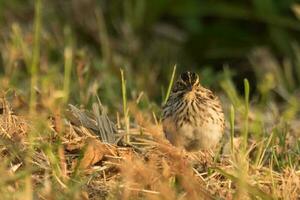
(192, 116)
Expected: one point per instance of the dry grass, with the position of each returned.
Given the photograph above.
(50, 152)
(68, 161)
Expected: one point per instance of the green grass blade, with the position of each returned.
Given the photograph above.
(246, 113)
(125, 109)
(68, 55)
(231, 127)
(35, 54)
(252, 190)
(170, 84)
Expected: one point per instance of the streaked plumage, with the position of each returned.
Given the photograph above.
(192, 117)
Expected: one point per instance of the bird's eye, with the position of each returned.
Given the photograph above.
(178, 87)
(181, 86)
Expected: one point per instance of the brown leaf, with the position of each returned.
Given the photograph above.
(94, 152)
(84, 195)
(73, 146)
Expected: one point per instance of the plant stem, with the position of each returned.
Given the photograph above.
(35, 55)
(170, 84)
(246, 114)
(125, 109)
(231, 127)
(68, 55)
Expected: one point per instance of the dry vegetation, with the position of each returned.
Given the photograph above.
(53, 54)
(65, 158)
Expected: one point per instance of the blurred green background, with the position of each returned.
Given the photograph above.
(221, 40)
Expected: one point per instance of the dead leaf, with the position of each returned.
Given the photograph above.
(84, 195)
(94, 152)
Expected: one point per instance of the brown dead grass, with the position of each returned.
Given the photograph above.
(149, 169)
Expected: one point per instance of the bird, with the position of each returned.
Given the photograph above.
(192, 117)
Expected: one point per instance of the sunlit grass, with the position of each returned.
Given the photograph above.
(34, 67)
(246, 114)
(125, 108)
(68, 62)
(42, 146)
(232, 116)
(170, 85)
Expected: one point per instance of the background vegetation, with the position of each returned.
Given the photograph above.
(58, 52)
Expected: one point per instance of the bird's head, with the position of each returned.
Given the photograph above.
(186, 82)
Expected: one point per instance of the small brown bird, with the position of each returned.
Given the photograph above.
(192, 117)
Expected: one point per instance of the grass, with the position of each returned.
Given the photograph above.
(69, 159)
(170, 85)
(35, 55)
(231, 127)
(246, 113)
(68, 59)
(125, 109)
(51, 151)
